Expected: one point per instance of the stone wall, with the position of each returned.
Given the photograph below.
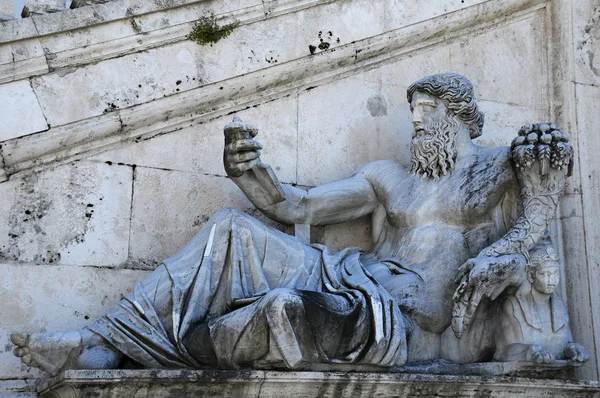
(111, 128)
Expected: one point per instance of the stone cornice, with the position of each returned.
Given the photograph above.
(174, 112)
(50, 39)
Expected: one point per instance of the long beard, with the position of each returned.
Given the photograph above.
(434, 149)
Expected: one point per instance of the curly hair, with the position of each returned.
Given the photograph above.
(456, 91)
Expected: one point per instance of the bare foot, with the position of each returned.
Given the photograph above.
(55, 352)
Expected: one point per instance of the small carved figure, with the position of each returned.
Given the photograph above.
(240, 292)
(533, 323)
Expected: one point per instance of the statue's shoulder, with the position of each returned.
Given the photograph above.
(497, 162)
(499, 156)
(380, 169)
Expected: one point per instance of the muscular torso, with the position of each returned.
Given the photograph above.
(426, 229)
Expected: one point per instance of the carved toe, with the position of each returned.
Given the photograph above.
(20, 351)
(19, 339)
(26, 359)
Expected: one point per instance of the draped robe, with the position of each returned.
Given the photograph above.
(241, 292)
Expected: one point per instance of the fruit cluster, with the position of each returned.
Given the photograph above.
(544, 142)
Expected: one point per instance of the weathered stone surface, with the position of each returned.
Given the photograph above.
(17, 389)
(71, 95)
(20, 113)
(514, 45)
(524, 50)
(21, 59)
(235, 260)
(579, 299)
(169, 207)
(337, 141)
(75, 214)
(52, 298)
(163, 383)
(502, 121)
(589, 119)
(586, 18)
(17, 30)
(69, 140)
(193, 145)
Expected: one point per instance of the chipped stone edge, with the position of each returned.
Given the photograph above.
(208, 102)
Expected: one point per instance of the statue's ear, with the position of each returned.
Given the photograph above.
(531, 276)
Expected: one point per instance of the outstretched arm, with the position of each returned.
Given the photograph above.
(327, 204)
(541, 156)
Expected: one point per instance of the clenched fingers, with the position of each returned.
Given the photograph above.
(244, 166)
(242, 157)
(243, 145)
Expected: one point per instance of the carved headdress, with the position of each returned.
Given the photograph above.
(542, 253)
(456, 91)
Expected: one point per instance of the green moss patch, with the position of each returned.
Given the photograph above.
(207, 31)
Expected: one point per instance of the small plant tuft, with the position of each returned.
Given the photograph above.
(207, 31)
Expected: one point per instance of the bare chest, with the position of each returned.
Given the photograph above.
(466, 197)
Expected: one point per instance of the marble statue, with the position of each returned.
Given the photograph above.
(451, 233)
(533, 324)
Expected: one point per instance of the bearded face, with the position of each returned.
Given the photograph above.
(433, 148)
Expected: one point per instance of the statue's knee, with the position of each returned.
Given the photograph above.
(226, 215)
(282, 299)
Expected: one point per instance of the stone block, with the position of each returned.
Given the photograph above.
(502, 122)
(586, 33)
(20, 112)
(77, 214)
(588, 116)
(54, 298)
(60, 142)
(21, 59)
(516, 46)
(8, 10)
(199, 148)
(335, 23)
(169, 207)
(73, 94)
(92, 35)
(15, 30)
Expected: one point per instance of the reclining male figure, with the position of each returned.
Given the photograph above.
(242, 292)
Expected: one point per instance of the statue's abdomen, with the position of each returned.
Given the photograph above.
(418, 267)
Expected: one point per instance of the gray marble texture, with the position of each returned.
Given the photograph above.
(453, 233)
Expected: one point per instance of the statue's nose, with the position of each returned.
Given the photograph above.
(418, 124)
(417, 117)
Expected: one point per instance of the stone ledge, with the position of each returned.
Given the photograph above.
(241, 383)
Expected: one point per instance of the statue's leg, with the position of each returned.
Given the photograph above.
(233, 257)
(286, 325)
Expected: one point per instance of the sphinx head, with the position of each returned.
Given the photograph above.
(543, 269)
(441, 105)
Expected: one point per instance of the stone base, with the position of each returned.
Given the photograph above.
(274, 384)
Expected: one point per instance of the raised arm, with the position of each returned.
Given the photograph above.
(541, 156)
(327, 204)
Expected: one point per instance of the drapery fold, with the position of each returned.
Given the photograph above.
(258, 291)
